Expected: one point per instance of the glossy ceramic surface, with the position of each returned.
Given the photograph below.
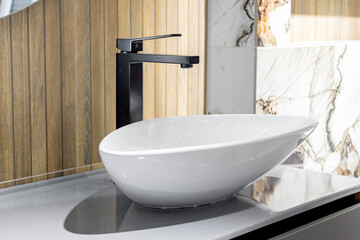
(196, 160)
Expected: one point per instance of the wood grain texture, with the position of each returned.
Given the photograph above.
(124, 18)
(37, 89)
(111, 33)
(6, 107)
(57, 78)
(193, 51)
(83, 82)
(160, 69)
(202, 54)
(149, 68)
(21, 94)
(53, 85)
(172, 49)
(325, 20)
(97, 77)
(68, 83)
(183, 48)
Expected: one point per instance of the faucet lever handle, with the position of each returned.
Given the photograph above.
(133, 45)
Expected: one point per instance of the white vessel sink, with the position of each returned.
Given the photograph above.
(195, 160)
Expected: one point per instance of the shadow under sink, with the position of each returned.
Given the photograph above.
(109, 211)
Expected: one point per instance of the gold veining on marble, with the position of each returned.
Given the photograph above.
(265, 34)
(320, 82)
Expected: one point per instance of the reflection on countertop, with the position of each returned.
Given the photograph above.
(85, 205)
(287, 187)
(109, 211)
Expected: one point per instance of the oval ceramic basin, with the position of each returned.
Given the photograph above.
(195, 160)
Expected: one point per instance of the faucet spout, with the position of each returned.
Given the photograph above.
(129, 76)
(170, 59)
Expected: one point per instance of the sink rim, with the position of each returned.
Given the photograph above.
(312, 124)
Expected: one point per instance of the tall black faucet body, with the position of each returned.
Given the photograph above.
(129, 76)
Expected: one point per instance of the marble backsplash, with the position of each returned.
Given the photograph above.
(230, 57)
(231, 23)
(321, 82)
(273, 23)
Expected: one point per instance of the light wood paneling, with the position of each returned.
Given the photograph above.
(111, 33)
(97, 77)
(171, 48)
(57, 78)
(82, 76)
(325, 20)
(68, 83)
(37, 90)
(6, 106)
(21, 96)
(193, 50)
(160, 69)
(53, 85)
(183, 48)
(149, 68)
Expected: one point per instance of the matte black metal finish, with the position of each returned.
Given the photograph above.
(136, 44)
(129, 76)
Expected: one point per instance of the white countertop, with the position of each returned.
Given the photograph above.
(89, 206)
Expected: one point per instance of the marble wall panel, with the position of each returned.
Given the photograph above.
(231, 51)
(230, 80)
(273, 23)
(321, 82)
(231, 23)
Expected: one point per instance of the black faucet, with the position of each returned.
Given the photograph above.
(129, 76)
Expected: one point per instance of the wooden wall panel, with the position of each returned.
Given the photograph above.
(193, 50)
(21, 95)
(53, 87)
(111, 33)
(97, 77)
(68, 83)
(6, 106)
(83, 82)
(325, 20)
(183, 49)
(37, 91)
(149, 68)
(57, 78)
(160, 69)
(171, 48)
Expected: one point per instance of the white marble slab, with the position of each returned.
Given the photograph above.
(322, 82)
(230, 80)
(231, 23)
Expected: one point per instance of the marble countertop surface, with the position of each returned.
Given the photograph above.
(89, 206)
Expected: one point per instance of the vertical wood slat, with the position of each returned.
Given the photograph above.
(71, 99)
(310, 21)
(6, 111)
(171, 48)
(97, 77)
(202, 54)
(183, 46)
(124, 18)
(21, 98)
(82, 76)
(68, 84)
(160, 69)
(37, 90)
(325, 20)
(53, 86)
(149, 68)
(111, 32)
(193, 51)
(136, 21)
(337, 27)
